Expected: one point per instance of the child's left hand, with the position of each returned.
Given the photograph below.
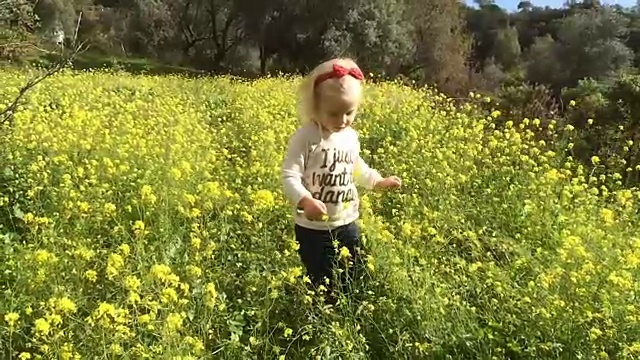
(392, 182)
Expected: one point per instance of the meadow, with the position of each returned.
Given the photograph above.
(142, 217)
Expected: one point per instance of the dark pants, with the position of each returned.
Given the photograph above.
(320, 257)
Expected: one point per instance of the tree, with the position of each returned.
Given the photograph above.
(537, 22)
(633, 38)
(374, 31)
(56, 15)
(198, 32)
(482, 3)
(543, 65)
(274, 27)
(525, 6)
(442, 44)
(17, 28)
(591, 45)
(484, 24)
(506, 48)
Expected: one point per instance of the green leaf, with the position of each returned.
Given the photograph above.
(17, 212)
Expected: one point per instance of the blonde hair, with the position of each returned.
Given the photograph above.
(308, 90)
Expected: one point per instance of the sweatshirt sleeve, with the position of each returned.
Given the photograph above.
(293, 168)
(363, 174)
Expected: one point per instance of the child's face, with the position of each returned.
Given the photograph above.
(336, 111)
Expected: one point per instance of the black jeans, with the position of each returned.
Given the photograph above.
(320, 257)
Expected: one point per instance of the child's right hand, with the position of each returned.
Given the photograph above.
(313, 209)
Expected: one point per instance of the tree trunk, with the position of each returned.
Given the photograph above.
(263, 60)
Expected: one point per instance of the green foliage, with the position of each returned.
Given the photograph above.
(376, 30)
(607, 116)
(17, 25)
(588, 46)
(422, 40)
(520, 101)
(506, 48)
(543, 64)
(56, 15)
(625, 96)
(442, 45)
(18, 15)
(484, 24)
(490, 78)
(591, 45)
(633, 39)
(592, 96)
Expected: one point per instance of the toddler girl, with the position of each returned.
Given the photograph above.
(322, 167)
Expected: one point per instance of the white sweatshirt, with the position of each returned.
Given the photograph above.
(328, 169)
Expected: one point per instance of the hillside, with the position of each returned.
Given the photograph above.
(143, 216)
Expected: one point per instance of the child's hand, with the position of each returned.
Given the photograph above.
(313, 209)
(392, 182)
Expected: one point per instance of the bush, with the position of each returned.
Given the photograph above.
(616, 128)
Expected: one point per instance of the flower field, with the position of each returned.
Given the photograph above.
(142, 217)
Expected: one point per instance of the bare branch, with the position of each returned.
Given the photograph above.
(26, 45)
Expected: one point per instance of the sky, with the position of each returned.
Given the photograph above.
(512, 5)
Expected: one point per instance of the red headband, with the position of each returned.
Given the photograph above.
(338, 72)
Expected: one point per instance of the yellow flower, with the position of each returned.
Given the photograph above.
(196, 344)
(594, 333)
(140, 178)
(124, 249)
(344, 253)
(144, 319)
(370, 263)
(174, 322)
(110, 209)
(65, 305)
(263, 199)
(114, 263)
(43, 256)
(91, 275)
(11, 318)
(607, 216)
(168, 295)
(132, 283)
(42, 326)
(139, 227)
(195, 241)
(147, 195)
(176, 174)
(116, 349)
(211, 294)
(164, 274)
(193, 271)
